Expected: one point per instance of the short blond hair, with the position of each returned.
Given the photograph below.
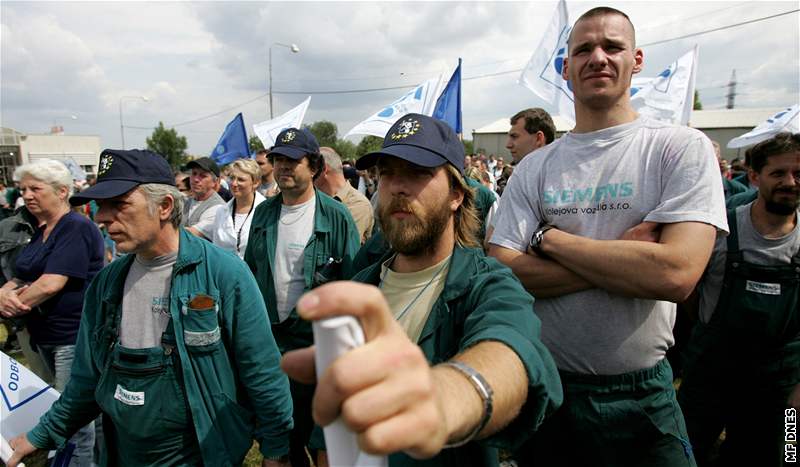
(248, 166)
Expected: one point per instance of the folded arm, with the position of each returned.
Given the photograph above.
(665, 270)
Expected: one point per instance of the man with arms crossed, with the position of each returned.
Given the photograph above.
(606, 226)
(444, 313)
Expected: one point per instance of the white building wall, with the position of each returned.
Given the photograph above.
(84, 150)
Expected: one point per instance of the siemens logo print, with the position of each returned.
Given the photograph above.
(610, 191)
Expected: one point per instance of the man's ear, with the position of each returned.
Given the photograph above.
(564, 73)
(752, 176)
(166, 207)
(638, 60)
(456, 198)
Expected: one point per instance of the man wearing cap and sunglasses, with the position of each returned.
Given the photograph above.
(452, 353)
(174, 348)
(299, 239)
(198, 212)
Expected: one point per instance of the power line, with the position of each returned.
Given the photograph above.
(488, 75)
(721, 28)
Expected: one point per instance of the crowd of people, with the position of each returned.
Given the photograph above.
(195, 339)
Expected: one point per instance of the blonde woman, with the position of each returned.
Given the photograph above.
(231, 227)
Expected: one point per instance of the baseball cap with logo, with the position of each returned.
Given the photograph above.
(421, 140)
(121, 171)
(294, 144)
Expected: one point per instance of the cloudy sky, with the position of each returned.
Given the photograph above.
(203, 62)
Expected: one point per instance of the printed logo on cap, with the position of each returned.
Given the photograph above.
(289, 136)
(406, 128)
(105, 164)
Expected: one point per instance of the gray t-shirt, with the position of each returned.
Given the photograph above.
(145, 301)
(201, 214)
(755, 248)
(598, 185)
(295, 226)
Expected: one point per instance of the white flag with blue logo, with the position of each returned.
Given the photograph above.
(25, 398)
(422, 99)
(786, 120)
(542, 74)
(668, 97)
(269, 130)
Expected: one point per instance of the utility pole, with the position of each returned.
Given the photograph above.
(731, 91)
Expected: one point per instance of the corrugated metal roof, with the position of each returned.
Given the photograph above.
(701, 119)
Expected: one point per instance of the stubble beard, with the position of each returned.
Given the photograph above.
(782, 208)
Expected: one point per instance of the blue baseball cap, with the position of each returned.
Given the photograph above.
(295, 144)
(421, 140)
(121, 171)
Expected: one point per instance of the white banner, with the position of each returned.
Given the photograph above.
(269, 130)
(542, 74)
(785, 120)
(25, 398)
(668, 97)
(421, 99)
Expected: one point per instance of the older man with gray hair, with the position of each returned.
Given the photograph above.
(174, 346)
(332, 182)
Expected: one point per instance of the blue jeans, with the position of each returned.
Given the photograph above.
(58, 359)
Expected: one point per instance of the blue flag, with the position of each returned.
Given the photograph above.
(232, 144)
(448, 106)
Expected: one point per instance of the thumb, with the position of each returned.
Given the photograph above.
(362, 301)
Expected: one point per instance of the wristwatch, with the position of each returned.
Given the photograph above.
(537, 237)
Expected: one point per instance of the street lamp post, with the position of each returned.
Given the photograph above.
(295, 49)
(121, 127)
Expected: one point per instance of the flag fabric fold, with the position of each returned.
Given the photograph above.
(448, 105)
(267, 131)
(542, 74)
(669, 96)
(422, 99)
(232, 144)
(786, 120)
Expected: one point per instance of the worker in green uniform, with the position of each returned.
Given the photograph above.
(453, 367)
(174, 347)
(743, 362)
(299, 239)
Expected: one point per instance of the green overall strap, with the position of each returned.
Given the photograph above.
(734, 254)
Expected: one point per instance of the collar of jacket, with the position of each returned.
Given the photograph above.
(321, 204)
(190, 252)
(462, 267)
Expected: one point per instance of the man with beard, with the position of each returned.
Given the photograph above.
(452, 353)
(299, 239)
(608, 226)
(743, 365)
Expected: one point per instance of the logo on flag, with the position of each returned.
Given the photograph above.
(786, 120)
(233, 143)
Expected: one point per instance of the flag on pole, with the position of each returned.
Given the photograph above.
(267, 131)
(786, 120)
(668, 97)
(421, 99)
(542, 74)
(232, 144)
(74, 169)
(448, 105)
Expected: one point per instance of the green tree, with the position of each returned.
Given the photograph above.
(169, 144)
(255, 144)
(697, 104)
(367, 144)
(325, 132)
(345, 149)
(468, 146)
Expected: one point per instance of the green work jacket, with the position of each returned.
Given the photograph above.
(235, 388)
(482, 300)
(328, 256)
